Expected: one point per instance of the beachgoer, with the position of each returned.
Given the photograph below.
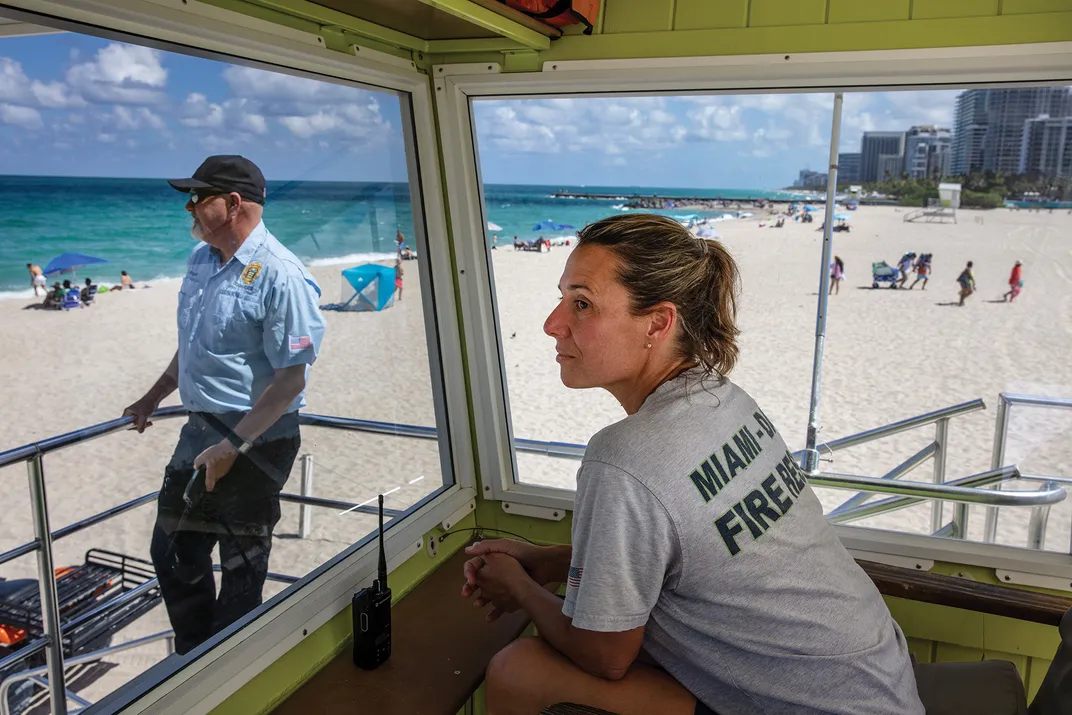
(89, 291)
(398, 278)
(125, 281)
(1016, 282)
(837, 274)
(400, 241)
(904, 267)
(494, 241)
(923, 270)
(695, 534)
(54, 298)
(967, 282)
(37, 278)
(249, 329)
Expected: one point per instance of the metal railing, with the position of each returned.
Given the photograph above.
(1006, 402)
(33, 455)
(963, 492)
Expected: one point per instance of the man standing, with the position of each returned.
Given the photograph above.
(37, 278)
(249, 329)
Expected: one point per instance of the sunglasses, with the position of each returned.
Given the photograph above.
(196, 195)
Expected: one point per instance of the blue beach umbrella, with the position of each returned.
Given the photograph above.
(810, 208)
(841, 217)
(69, 262)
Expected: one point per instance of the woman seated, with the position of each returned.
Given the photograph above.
(702, 576)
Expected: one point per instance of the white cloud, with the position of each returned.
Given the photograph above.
(197, 111)
(121, 74)
(25, 117)
(607, 126)
(106, 137)
(717, 123)
(135, 119)
(17, 88)
(276, 87)
(361, 124)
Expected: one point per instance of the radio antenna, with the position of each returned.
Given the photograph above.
(383, 554)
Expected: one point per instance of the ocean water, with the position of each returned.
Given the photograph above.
(141, 226)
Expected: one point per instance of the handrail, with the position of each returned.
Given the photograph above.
(902, 426)
(31, 546)
(947, 491)
(972, 483)
(1001, 432)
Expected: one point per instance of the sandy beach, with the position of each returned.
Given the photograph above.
(890, 354)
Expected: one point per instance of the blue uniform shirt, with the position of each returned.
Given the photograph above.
(240, 322)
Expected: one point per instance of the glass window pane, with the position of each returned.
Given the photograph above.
(899, 344)
(332, 266)
(725, 165)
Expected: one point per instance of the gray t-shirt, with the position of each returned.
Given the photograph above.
(693, 518)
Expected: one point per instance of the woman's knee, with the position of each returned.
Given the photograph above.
(514, 674)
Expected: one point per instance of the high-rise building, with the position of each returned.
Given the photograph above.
(848, 167)
(969, 132)
(873, 147)
(810, 180)
(890, 166)
(989, 125)
(1046, 147)
(928, 150)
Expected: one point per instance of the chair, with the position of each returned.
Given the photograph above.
(72, 299)
(88, 294)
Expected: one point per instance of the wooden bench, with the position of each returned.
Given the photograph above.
(440, 648)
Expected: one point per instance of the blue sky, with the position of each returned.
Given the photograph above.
(81, 106)
(75, 105)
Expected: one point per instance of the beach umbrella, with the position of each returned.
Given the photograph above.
(708, 232)
(494, 226)
(810, 208)
(841, 217)
(550, 225)
(68, 262)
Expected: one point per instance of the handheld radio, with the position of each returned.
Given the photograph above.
(371, 608)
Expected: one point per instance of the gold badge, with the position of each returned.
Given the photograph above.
(250, 274)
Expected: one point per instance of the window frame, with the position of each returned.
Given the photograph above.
(457, 86)
(231, 659)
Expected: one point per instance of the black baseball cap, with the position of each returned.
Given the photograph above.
(227, 173)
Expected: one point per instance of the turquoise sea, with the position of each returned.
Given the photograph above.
(140, 225)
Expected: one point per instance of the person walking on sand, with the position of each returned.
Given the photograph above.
(37, 278)
(249, 329)
(398, 278)
(1016, 282)
(400, 241)
(967, 282)
(904, 267)
(837, 274)
(923, 271)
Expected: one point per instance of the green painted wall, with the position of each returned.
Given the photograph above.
(286, 675)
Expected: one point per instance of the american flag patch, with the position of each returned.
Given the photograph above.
(574, 580)
(300, 342)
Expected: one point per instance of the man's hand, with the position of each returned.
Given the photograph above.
(218, 460)
(141, 411)
(494, 581)
(530, 556)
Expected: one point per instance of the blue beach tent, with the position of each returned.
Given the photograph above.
(368, 287)
(69, 262)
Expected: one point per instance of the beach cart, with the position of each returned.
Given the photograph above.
(883, 272)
